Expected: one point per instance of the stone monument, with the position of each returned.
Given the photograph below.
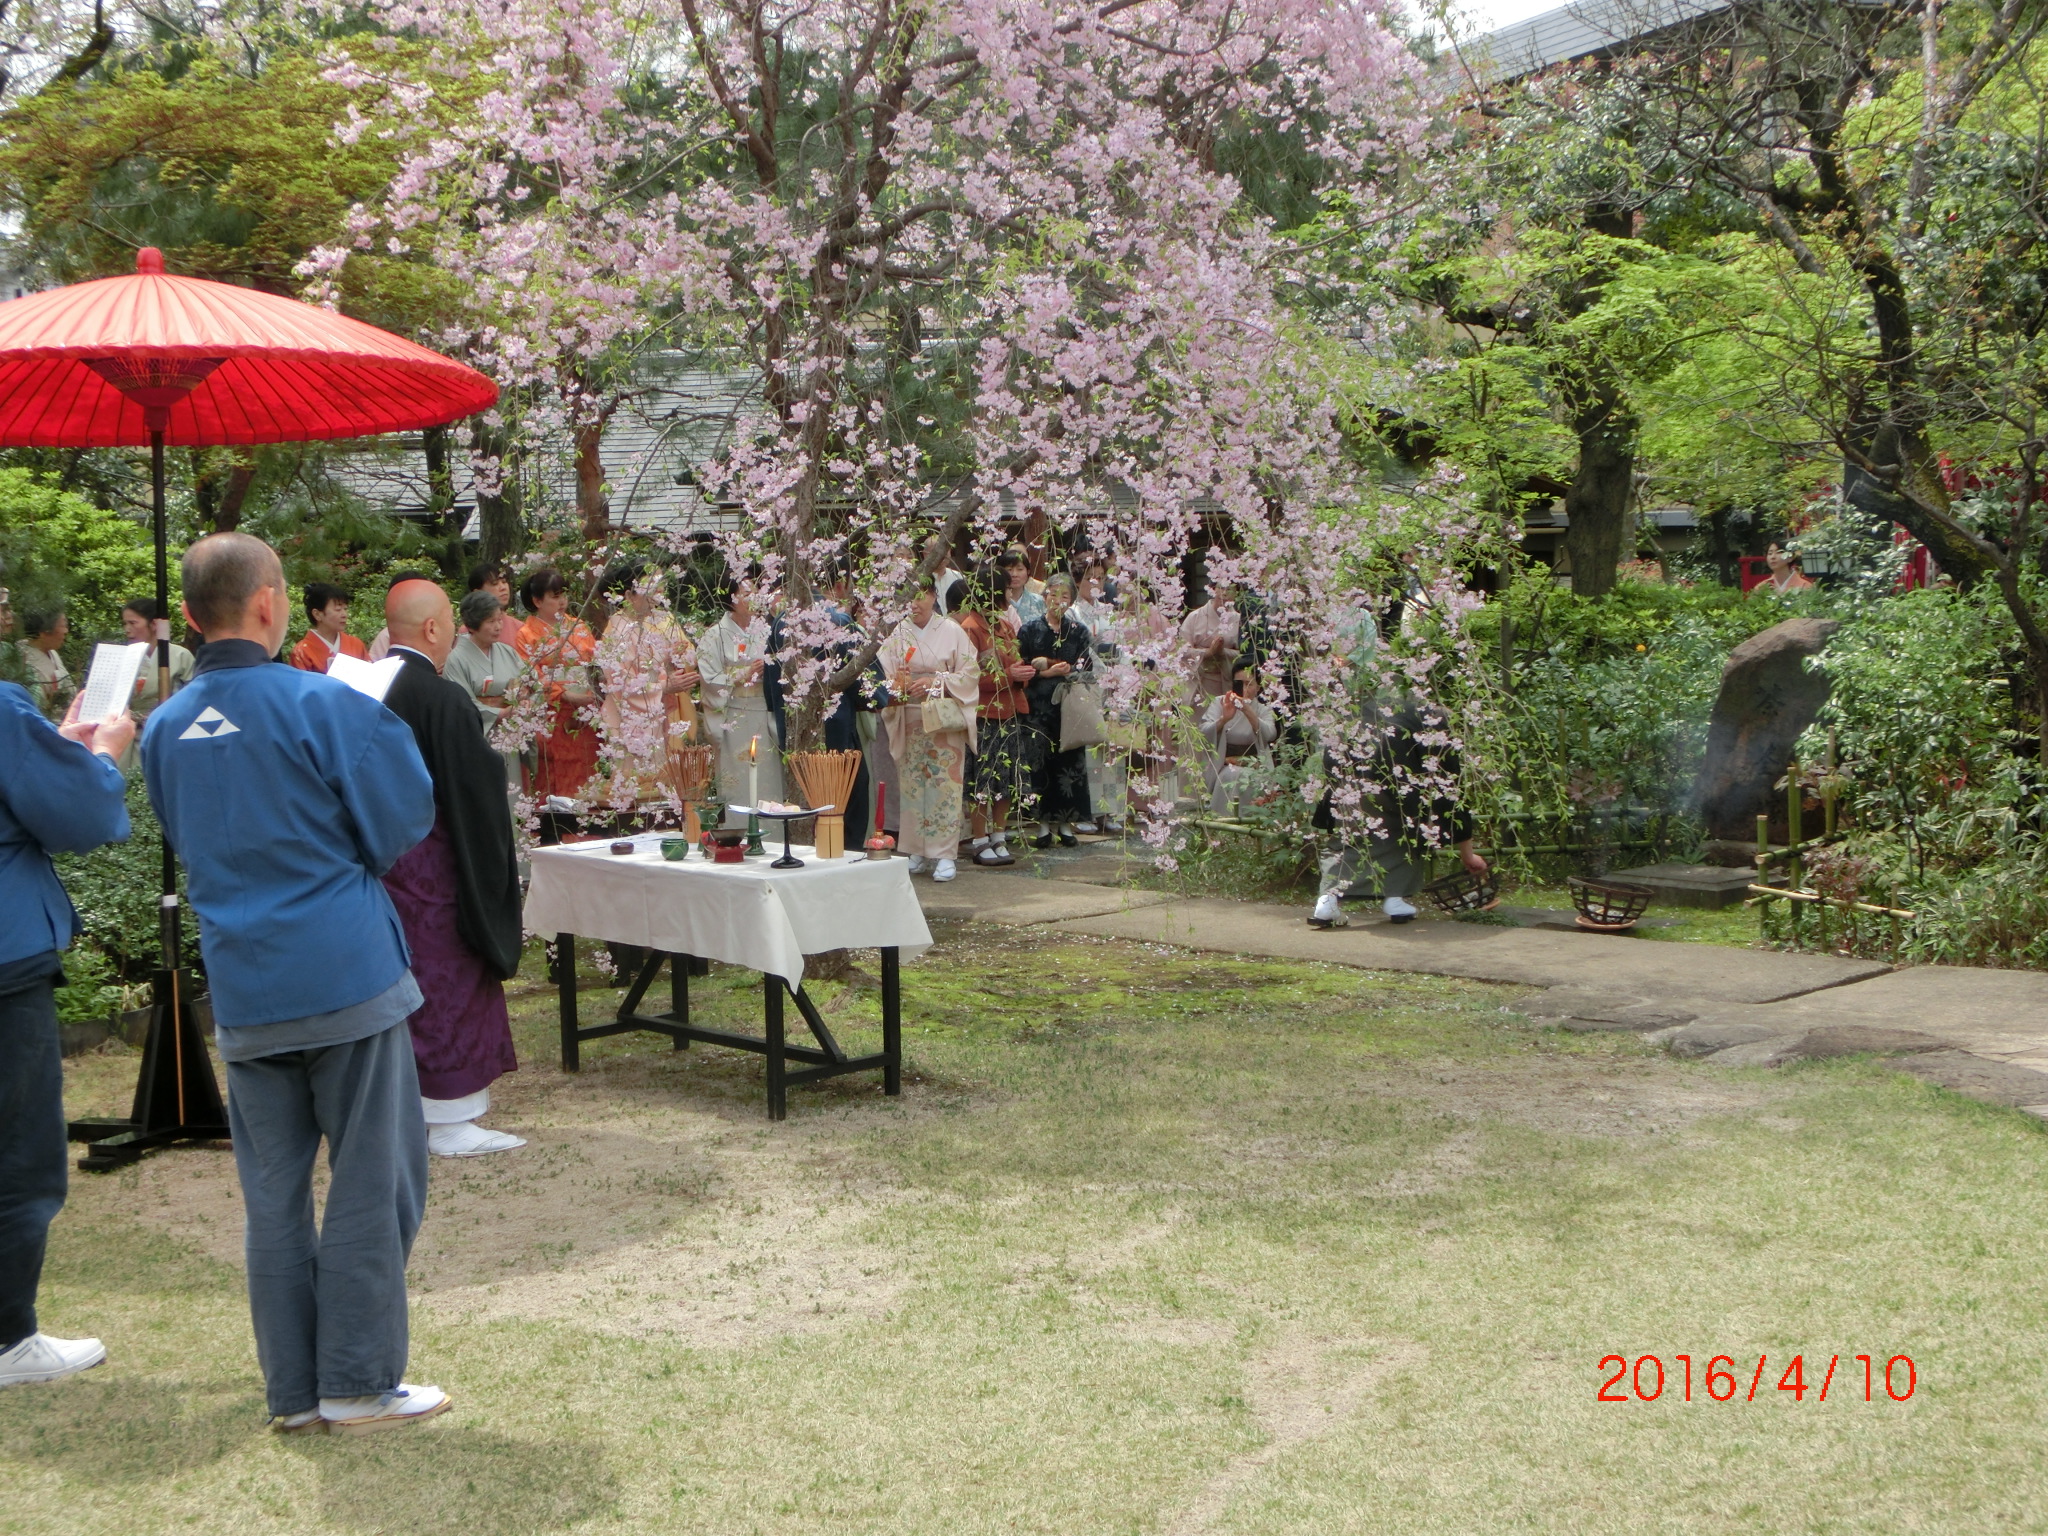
(1768, 696)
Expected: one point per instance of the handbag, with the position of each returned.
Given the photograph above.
(943, 712)
(1080, 715)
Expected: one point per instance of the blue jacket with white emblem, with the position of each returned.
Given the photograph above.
(55, 797)
(288, 795)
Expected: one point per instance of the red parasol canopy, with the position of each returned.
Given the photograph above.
(79, 367)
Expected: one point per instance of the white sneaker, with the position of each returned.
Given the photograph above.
(944, 870)
(919, 863)
(403, 1404)
(1328, 914)
(42, 1358)
(1398, 909)
(469, 1140)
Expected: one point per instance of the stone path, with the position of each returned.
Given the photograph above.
(1979, 1032)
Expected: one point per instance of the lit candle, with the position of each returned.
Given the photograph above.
(754, 773)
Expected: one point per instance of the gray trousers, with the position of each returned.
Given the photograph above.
(1399, 874)
(329, 1307)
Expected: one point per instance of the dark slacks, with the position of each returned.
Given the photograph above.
(32, 1154)
(329, 1307)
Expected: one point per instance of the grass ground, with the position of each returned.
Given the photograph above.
(1152, 1243)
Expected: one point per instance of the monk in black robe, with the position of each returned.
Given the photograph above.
(457, 892)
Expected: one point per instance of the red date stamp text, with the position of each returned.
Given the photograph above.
(1647, 1378)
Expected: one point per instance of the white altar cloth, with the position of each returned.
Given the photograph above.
(744, 914)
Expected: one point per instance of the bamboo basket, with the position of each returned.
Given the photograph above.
(694, 769)
(826, 778)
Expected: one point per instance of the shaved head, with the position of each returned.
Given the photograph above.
(420, 617)
(221, 573)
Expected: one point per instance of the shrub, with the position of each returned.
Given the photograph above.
(1924, 719)
(91, 989)
(55, 545)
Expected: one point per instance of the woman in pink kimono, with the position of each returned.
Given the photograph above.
(929, 657)
(649, 669)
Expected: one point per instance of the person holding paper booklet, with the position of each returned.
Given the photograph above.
(288, 796)
(138, 623)
(457, 890)
(59, 794)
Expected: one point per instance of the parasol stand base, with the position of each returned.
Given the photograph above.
(176, 1096)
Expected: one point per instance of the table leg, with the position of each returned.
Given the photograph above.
(778, 1091)
(892, 1022)
(565, 972)
(679, 994)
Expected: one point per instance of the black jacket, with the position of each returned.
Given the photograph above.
(469, 800)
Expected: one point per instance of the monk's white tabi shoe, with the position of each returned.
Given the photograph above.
(1328, 914)
(468, 1140)
(1398, 909)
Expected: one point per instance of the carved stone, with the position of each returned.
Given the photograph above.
(1768, 696)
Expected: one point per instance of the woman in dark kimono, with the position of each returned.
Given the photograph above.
(1057, 646)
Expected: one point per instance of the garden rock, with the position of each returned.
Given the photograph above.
(1767, 1052)
(1767, 698)
(1705, 1038)
(1993, 1082)
(1855, 1039)
(1580, 1003)
(1583, 1010)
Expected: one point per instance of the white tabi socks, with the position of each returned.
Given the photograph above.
(452, 1130)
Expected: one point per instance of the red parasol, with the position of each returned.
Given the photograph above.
(162, 360)
(103, 364)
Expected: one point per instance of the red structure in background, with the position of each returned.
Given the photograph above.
(1919, 568)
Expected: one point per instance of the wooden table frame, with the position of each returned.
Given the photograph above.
(825, 1059)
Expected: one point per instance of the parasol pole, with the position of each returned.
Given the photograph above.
(168, 922)
(159, 418)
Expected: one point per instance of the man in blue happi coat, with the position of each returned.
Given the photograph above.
(288, 795)
(60, 792)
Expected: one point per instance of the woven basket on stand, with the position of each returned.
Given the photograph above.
(1462, 891)
(1608, 906)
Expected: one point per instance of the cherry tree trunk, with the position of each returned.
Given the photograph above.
(593, 508)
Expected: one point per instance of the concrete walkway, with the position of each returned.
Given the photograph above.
(1980, 1032)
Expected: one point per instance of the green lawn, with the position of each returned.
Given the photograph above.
(1152, 1243)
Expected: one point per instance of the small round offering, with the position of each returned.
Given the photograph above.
(622, 847)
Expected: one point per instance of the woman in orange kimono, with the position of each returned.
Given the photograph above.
(558, 649)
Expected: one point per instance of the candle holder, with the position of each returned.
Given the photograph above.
(754, 843)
